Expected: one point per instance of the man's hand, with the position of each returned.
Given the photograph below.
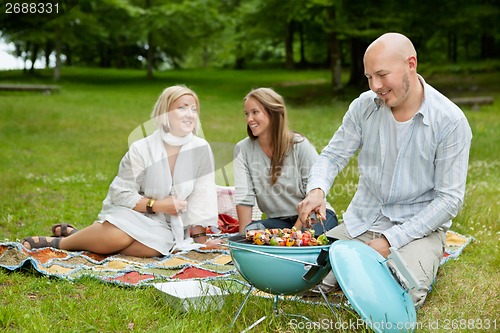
(314, 201)
(381, 245)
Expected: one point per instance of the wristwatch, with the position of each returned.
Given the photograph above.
(149, 206)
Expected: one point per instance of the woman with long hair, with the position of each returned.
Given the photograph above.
(271, 166)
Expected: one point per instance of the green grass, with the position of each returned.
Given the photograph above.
(60, 152)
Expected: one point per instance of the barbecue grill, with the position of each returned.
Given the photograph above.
(372, 287)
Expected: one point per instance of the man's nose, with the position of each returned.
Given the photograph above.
(375, 84)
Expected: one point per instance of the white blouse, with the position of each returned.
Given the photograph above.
(144, 172)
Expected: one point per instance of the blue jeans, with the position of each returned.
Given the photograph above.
(288, 222)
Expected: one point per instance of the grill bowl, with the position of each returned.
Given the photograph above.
(278, 276)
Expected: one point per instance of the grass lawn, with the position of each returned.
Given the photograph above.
(59, 153)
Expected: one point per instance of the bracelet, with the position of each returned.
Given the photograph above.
(201, 234)
(149, 206)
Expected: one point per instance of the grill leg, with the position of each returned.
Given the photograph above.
(275, 309)
(277, 312)
(275, 305)
(242, 305)
(326, 300)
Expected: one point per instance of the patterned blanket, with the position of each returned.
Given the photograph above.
(133, 271)
(119, 269)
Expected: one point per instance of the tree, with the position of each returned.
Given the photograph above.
(154, 34)
(171, 30)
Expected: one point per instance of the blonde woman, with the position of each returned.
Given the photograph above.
(271, 166)
(164, 194)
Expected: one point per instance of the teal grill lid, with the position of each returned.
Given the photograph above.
(371, 289)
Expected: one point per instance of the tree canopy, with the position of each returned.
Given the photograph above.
(155, 35)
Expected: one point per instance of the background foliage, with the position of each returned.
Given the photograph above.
(154, 34)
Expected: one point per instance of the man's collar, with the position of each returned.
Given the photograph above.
(423, 110)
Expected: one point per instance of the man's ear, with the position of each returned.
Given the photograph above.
(412, 62)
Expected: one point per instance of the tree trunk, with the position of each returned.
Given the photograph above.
(335, 58)
(47, 51)
(34, 55)
(303, 61)
(239, 63)
(357, 76)
(206, 56)
(120, 57)
(57, 68)
(150, 57)
(289, 46)
(69, 56)
(452, 47)
(150, 53)
(104, 52)
(239, 54)
(335, 64)
(25, 57)
(487, 46)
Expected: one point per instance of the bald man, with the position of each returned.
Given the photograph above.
(413, 150)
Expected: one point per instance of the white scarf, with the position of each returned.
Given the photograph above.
(173, 140)
(177, 226)
(176, 222)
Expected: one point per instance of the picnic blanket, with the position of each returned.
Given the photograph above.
(118, 269)
(133, 271)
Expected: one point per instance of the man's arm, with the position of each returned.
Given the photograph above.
(333, 158)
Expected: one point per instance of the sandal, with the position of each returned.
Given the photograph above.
(63, 227)
(42, 242)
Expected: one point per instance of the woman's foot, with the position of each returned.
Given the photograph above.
(63, 230)
(38, 242)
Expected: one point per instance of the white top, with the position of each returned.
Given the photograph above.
(397, 132)
(144, 171)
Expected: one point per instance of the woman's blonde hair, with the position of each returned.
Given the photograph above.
(282, 138)
(164, 103)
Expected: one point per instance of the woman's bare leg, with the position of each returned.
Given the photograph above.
(138, 249)
(103, 238)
